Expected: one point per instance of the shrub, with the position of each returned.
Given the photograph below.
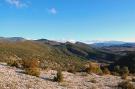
(30, 63)
(117, 69)
(31, 67)
(93, 80)
(124, 76)
(125, 71)
(125, 85)
(133, 79)
(43, 65)
(84, 74)
(115, 74)
(93, 68)
(33, 71)
(59, 77)
(127, 60)
(106, 71)
(13, 63)
(72, 70)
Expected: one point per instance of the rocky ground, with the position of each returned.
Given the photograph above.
(13, 78)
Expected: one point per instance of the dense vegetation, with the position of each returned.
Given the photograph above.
(127, 62)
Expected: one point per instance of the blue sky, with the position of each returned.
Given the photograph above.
(81, 20)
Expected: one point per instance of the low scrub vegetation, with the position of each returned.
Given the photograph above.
(120, 71)
(124, 73)
(31, 67)
(133, 79)
(93, 68)
(33, 71)
(93, 80)
(127, 62)
(106, 71)
(125, 85)
(125, 70)
(59, 76)
(72, 69)
(124, 76)
(13, 63)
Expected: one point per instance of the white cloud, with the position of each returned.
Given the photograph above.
(66, 40)
(52, 11)
(104, 40)
(129, 39)
(16, 3)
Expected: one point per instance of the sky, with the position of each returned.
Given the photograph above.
(72, 20)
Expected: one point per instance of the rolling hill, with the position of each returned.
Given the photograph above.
(54, 54)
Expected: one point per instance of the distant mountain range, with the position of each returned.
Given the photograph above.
(112, 43)
(94, 43)
(12, 39)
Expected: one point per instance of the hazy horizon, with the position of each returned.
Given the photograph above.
(71, 20)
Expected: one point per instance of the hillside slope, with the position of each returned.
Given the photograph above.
(53, 54)
(48, 55)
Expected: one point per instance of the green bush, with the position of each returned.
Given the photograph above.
(125, 85)
(59, 77)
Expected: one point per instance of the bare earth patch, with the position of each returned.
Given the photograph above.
(13, 78)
